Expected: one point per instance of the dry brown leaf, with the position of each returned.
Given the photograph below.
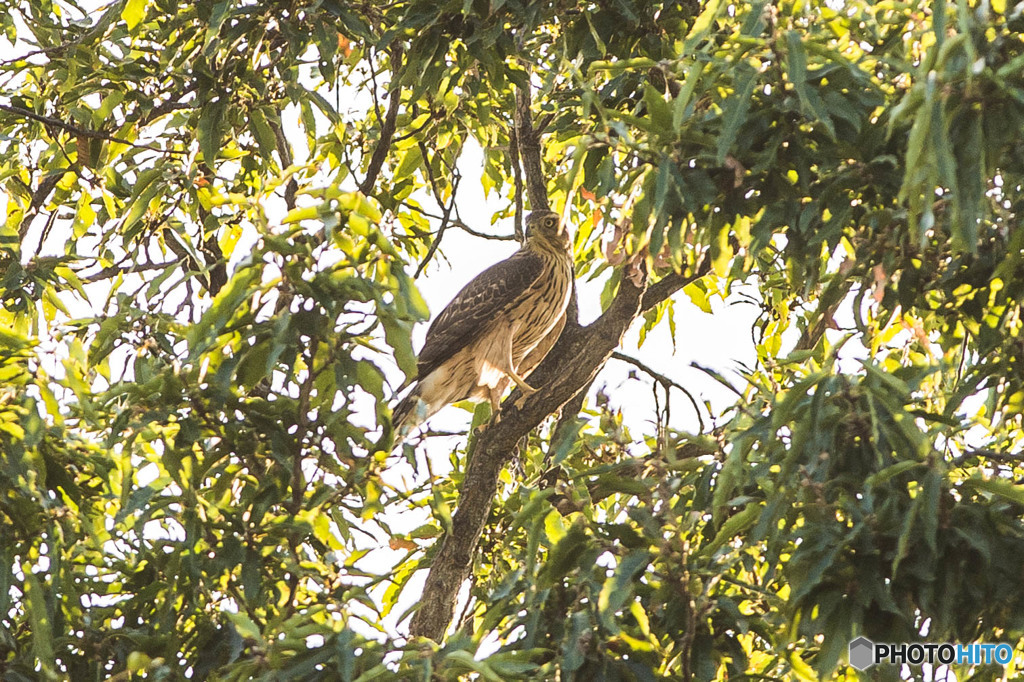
(878, 288)
(344, 45)
(737, 168)
(402, 543)
(613, 251)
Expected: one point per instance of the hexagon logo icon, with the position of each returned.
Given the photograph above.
(862, 653)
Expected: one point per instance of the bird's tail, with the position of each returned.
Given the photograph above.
(402, 412)
(409, 413)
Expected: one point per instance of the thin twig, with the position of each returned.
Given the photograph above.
(39, 198)
(455, 222)
(661, 379)
(446, 209)
(45, 232)
(416, 131)
(114, 270)
(469, 230)
(959, 376)
(1004, 457)
(95, 31)
(373, 90)
(82, 132)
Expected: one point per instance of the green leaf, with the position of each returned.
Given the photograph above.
(42, 624)
(563, 557)
(659, 111)
(218, 15)
(736, 110)
(239, 288)
(697, 292)
(616, 591)
(734, 525)
(702, 25)
(999, 487)
(516, 664)
(411, 159)
(810, 100)
(209, 131)
(133, 12)
(529, 510)
(891, 472)
(602, 49)
(577, 643)
(681, 108)
(398, 334)
(264, 134)
(143, 192)
(370, 378)
(245, 626)
(465, 660)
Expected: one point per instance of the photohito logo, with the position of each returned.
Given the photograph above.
(864, 653)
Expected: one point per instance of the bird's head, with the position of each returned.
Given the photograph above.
(545, 227)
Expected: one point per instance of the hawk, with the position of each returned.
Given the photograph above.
(497, 329)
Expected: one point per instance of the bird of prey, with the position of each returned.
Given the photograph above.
(497, 329)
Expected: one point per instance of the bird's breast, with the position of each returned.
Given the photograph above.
(541, 307)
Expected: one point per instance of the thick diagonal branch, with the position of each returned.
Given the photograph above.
(570, 367)
(572, 363)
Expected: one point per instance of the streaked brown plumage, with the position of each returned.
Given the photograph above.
(497, 329)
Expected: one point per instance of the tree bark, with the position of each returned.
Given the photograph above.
(528, 142)
(387, 129)
(570, 367)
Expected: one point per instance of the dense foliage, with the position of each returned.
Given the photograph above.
(214, 215)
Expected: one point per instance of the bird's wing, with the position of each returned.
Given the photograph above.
(478, 304)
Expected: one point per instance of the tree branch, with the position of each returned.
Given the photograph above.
(571, 365)
(446, 209)
(1003, 457)
(387, 131)
(168, 106)
(671, 283)
(528, 142)
(81, 132)
(114, 270)
(517, 177)
(663, 380)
